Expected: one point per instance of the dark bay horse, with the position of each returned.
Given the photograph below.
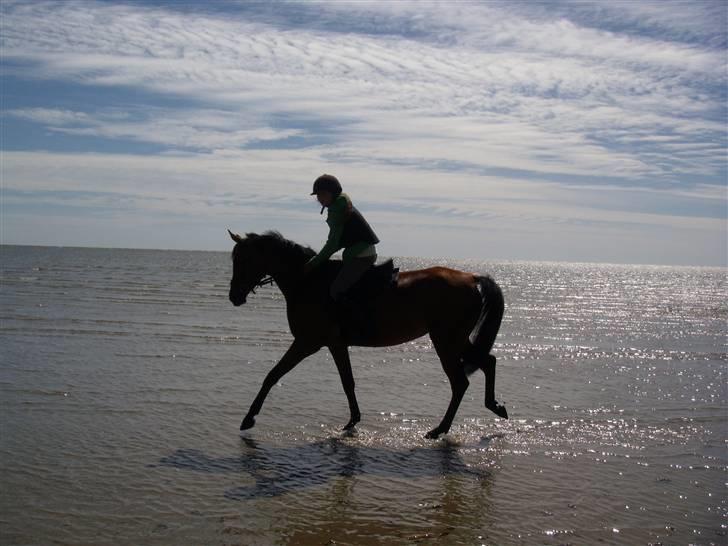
(461, 311)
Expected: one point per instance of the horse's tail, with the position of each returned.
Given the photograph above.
(477, 354)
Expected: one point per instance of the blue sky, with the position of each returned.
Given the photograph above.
(569, 131)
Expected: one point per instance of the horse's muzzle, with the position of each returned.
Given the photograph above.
(237, 299)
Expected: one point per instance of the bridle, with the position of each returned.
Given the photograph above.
(267, 279)
(262, 282)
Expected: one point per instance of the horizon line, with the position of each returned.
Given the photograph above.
(428, 258)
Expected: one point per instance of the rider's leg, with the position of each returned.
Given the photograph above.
(351, 271)
(347, 310)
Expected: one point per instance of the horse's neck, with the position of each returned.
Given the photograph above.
(289, 262)
(289, 279)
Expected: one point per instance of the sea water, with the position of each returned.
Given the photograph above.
(124, 375)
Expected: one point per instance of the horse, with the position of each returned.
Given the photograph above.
(461, 311)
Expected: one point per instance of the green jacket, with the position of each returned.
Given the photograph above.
(336, 218)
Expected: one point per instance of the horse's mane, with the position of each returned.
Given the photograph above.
(274, 240)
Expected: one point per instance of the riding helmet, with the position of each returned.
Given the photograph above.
(327, 182)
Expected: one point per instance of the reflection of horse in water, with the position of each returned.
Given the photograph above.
(461, 311)
(281, 469)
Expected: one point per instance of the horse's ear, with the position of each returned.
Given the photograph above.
(235, 237)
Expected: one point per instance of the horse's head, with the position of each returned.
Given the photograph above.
(249, 266)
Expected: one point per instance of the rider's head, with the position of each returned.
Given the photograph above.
(326, 188)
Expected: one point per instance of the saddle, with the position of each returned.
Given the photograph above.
(377, 279)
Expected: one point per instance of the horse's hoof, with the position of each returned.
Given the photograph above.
(248, 422)
(498, 409)
(349, 426)
(433, 434)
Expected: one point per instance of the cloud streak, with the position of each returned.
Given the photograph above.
(201, 130)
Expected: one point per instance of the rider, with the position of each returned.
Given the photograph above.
(348, 230)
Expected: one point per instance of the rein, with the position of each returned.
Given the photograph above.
(262, 283)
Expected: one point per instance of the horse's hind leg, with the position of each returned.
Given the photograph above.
(455, 372)
(490, 401)
(458, 385)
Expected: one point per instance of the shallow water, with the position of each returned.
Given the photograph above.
(124, 375)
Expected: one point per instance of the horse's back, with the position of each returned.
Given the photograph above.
(438, 282)
(422, 300)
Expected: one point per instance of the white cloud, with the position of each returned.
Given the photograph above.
(50, 116)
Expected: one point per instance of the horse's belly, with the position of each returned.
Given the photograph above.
(394, 328)
(387, 339)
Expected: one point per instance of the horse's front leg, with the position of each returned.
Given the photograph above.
(295, 354)
(343, 364)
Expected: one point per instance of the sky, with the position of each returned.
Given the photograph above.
(559, 131)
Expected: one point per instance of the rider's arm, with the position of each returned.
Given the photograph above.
(331, 246)
(335, 219)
